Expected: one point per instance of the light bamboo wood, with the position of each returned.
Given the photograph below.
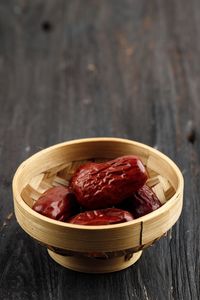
(95, 265)
(55, 165)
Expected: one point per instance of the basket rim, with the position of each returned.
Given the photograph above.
(148, 217)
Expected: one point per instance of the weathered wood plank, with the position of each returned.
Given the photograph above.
(70, 69)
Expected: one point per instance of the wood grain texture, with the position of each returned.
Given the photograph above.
(102, 68)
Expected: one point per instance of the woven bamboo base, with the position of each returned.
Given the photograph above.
(92, 265)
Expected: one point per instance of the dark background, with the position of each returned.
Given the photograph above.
(71, 69)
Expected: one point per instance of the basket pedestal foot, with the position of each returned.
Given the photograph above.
(94, 265)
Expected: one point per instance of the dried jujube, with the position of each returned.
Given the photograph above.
(110, 192)
(142, 202)
(102, 217)
(57, 203)
(103, 185)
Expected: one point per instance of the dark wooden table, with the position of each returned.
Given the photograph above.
(71, 69)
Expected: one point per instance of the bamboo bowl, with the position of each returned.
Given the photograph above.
(95, 249)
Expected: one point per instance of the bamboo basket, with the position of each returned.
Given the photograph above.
(95, 249)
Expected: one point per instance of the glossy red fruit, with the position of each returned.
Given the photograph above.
(57, 203)
(102, 217)
(102, 185)
(143, 202)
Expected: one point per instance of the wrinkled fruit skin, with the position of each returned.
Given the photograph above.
(57, 203)
(102, 217)
(142, 202)
(102, 185)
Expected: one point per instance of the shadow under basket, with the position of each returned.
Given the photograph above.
(95, 249)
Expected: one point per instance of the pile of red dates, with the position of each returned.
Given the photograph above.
(101, 193)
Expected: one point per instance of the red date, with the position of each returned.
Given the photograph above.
(56, 203)
(142, 202)
(102, 217)
(102, 185)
